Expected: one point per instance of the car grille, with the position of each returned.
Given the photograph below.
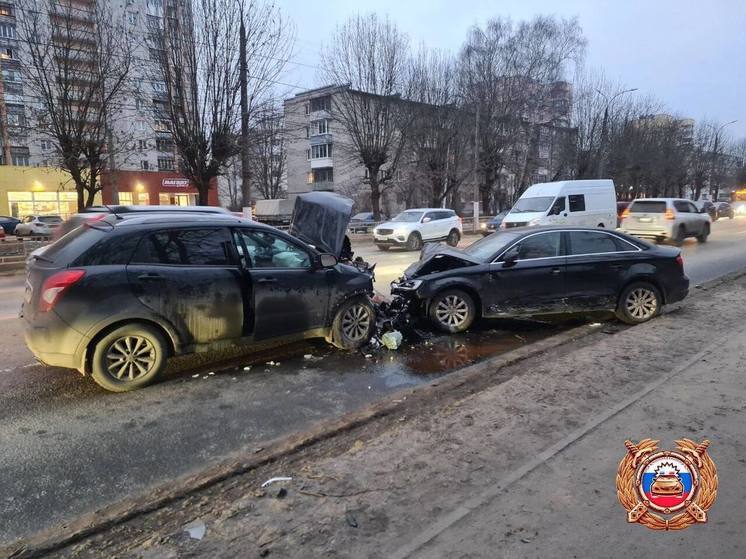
(508, 225)
(384, 231)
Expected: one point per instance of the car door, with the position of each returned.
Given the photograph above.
(698, 218)
(191, 278)
(597, 266)
(534, 283)
(578, 214)
(429, 226)
(686, 217)
(286, 292)
(557, 214)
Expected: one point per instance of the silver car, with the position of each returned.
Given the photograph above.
(412, 228)
(665, 219)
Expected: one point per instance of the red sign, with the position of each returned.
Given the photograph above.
(175, 183)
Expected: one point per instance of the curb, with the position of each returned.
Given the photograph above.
(240, 463)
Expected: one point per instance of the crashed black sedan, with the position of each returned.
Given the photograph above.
(116, 297)
(542, 271)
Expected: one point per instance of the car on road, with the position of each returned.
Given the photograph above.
(38, 226)
(724, 209)
(8, 224)
(542, 271)
(710, 209)
(493, 224)
(666, 219)
(117, 297)
(362, 222)
(583, 203)
(412, 228)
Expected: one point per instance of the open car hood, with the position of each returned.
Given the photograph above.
(436, 257)
(320, 219)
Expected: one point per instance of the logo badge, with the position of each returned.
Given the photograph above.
(682, 483)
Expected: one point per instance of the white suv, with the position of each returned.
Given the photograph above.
(39, 225)
(662, 219)
(412, 228)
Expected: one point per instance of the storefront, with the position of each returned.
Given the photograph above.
(36, 191)
(152, 187)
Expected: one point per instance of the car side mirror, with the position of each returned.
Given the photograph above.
(327, 260)
(510, 257)
(426, 220)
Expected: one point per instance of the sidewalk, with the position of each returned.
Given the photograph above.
(523, 467)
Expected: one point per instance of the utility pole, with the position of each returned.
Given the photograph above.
(476, 173)
(245, 153)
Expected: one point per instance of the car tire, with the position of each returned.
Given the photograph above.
(702, 238)
(453, 238)
(601, 226)
(142, 352)
(383, 247)
(353, 324)
(678, 240)
(731, 215)
(452, 311)
(638, 303)
(414, 241)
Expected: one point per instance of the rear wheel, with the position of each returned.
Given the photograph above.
(702, 237)
(678, 240)
(353, 324)
(129, 357)
(453, 310)
(600, 226)
(453, 238)
(639, 303)
(414, 242)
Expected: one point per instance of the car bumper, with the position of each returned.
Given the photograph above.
(658, 234)
(53, 341)
(678, 291)
(392, 240)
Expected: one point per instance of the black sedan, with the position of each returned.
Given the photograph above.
(724, 209)
(541, 271)
(8, 224)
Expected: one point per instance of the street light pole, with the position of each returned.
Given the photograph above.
(475, 224)
(604, 128)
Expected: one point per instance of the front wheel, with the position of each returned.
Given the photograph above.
(129, 357)
(639, 303)
(353, 324)
(414, 242)
(453, 238)
(702, 237)
(452, 310)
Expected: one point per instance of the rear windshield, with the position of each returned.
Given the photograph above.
(66, 240)
(50, 219)
(648, 207)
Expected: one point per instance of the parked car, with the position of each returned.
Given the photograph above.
(493, 224)
(412, 228)
(116, 298)
(530, 272)
(666, 219)
(710, 209)
(8, 224)
(2, 233)
(95, 213)
(362, 222)
(724, 209)
(583, 203)
(38, 225)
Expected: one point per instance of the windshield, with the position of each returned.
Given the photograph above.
(652, 207)
(537, 204)
(492, 244)
(408, 217)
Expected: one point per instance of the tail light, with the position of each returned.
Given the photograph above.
(625, 213)
(669, 214)
(680, 261)
(55, 285)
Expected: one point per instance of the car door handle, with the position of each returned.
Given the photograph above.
(266, 280)
(150, 276)
(556, 271)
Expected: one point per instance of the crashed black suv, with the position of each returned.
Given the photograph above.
(116, 297)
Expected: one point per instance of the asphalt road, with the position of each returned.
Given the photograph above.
(68, 447)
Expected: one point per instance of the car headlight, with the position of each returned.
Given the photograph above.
(483, 226)
(408, 285)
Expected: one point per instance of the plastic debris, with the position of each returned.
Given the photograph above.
(368, 356)
(595, 324)
(392, 340)
(272, 480)
(195, 376)
(196, 529)
(247, 368)
(211, 373)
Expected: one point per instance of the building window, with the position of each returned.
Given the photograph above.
(132, 18)
(307, 132)
(321, 151)
(544, 152)
(42, 203)
(46, 145)
(142, 145)
(139, 104)
(11, 75)
(305, 108)
(160, 87)
(6, 10)
(6, 54)
(321, 104)
(162, 126)
(319, 127)
(125, 198)
(309, 177)
(164, 144)
(144, 165)
(140, 125)
(7, 31)
(165, 164)
(323, 175)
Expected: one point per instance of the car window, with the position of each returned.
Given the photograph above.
(543, 245)
(112, 250)
(590, 242)
(50, 219)
(490, 246)
(195, 247)
(432, 215)
(645, 206)
(577, 202)
(558, 207)
(681, 206)
(267, 250)
(692, 208)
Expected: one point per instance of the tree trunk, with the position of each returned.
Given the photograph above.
(375, 195)
(203, 189)
(80, 191)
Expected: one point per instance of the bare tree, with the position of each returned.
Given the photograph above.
(76, 61)
(267, 151)
(199, 65)
(368, 58)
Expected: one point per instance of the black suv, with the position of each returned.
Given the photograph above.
(116, 297)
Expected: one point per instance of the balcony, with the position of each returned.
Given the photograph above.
(322, 185)
(322, 162)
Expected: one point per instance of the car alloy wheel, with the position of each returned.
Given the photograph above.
(641, 304)
(414, 242)
(129, 358)
(356, 322)
(453, 238)
(452, 311)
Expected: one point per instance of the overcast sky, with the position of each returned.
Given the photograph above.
(691, 54)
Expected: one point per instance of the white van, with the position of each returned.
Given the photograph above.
(586, 203)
